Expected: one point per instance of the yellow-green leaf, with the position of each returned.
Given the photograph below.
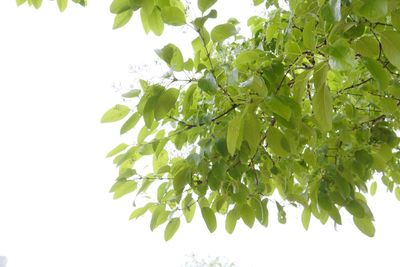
(234, 128)
(173, 16)
(373, 188)
(62, 4)
(390, 44)
(209, 218)
(165, 103)
(305, 217)
(130, 123)
(322, 108)
(278, 142)
(222, 32)
(230, 221)
(203, 5)
(116, 113)
(378, 72)
(171, 228)
(247, 214)
(122, 18)
(367, 46)
(365, 225)
(117, 149)
(397, 193)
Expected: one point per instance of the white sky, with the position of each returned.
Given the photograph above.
(56, 76)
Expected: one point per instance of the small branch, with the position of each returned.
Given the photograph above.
(354, 86)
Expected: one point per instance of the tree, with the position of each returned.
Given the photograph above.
(305, 112)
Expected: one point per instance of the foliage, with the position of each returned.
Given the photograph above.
(302, 113)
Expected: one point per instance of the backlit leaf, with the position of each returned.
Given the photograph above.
(116, 113)
(171, 228)
(122, 18)
(173, 16)
(203, 5)
(209, 218)
(365, 225)
(223, 31)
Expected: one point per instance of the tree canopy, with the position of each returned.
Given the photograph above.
(305, 112)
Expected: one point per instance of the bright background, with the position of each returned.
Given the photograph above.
(57, 73)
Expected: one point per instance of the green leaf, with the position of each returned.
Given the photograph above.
(373, 188)
(119, 6)
(367, 46)
(365, 225)
(309, 34)
(305, 217)
(222, 32)
(230, 221)
(331, 11)
(172, 56)
(203, 5)
(208, 84)
(171, 228)
(130, 123)
(252, 137)
(116, 113)
(166, 102)
(148, 111)
(258, 2)
(155, 22)
(373, 9)
(209, 218)
(341, 56)
(277, 142)
(397, 193)
(62, 4)
(36, 3)
(395, 16)
(122, 18)
(247, 214)
(156, 217)
(20, 2)
(181, 179)
(123, 187)
(281, 214)
(140, 211)
(378, 72)
(355, 208)
(323, 108)
(132, 93)
(117, 149)
(233, 132)
(320, 75)
(279, 107)
(390, 45)
(173, 16)
(188, 208)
